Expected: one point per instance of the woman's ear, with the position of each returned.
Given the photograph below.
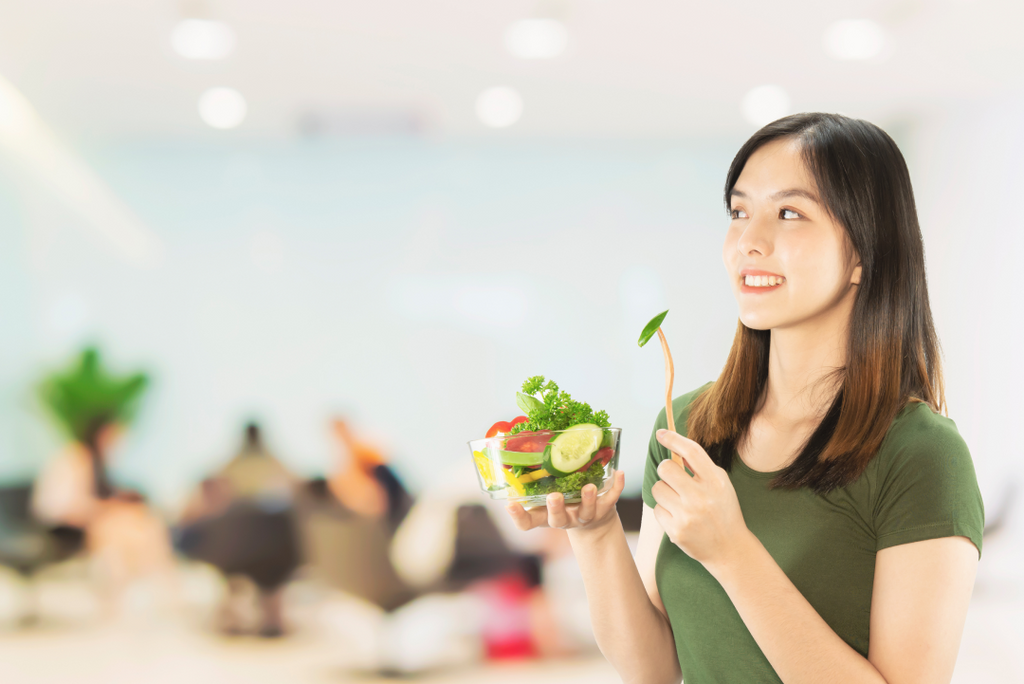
(855, 279)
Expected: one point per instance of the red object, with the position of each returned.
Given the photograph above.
(500, 426)
(506, 631)
(529, 442)
(519, 419)
(603, 455)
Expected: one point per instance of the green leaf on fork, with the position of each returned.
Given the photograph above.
(652, 328)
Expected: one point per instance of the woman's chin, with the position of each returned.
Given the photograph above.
(755, 322)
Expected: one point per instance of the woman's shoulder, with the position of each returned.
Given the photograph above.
(918, 432)
(926, 446)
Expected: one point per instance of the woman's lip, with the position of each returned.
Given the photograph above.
(755, 272)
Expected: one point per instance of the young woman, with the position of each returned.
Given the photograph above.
(829, 527)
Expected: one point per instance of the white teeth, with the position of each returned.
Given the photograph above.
(763, 281)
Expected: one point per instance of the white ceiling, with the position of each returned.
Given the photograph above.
(104, 68)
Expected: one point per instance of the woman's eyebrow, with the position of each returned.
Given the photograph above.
(781, 194)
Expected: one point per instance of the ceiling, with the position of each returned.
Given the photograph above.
(646, 68)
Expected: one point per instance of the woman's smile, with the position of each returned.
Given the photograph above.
(761, 284)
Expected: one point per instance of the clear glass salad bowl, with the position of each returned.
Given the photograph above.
(528, 466)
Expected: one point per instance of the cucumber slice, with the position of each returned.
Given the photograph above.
(522, 458)
(573, 449)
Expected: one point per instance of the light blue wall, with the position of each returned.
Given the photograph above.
(414, 285)
(300, 279)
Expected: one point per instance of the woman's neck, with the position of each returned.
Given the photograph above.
(799, 360)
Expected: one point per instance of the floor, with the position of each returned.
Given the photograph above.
(144, 645)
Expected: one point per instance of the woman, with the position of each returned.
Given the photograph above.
(831, 527)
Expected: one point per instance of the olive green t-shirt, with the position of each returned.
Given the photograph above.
(920, 485)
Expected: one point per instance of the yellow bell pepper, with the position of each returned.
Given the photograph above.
(534, 475)
(514, 482)
(486, 468)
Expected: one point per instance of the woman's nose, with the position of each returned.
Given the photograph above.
(755, 238)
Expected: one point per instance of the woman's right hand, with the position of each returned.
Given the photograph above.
(592, 513)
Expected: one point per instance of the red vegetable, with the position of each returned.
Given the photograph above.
(519, 419)
(529, 442)
(603, 455)
(500, 426)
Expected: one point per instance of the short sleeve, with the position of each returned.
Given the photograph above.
(656, 453)
(929, 489)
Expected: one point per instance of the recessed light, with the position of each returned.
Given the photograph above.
(765, 104)
(202, 39)
(222, 107)
(854, 39)
(536, 38)
(499, 107)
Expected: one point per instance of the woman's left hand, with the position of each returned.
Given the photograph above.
(700, 514)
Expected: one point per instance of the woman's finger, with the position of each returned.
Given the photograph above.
(672, 474)
(527, 519)
(557, 515)
(586, 512)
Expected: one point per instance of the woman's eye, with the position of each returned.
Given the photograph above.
(790, 211)
(738, 213)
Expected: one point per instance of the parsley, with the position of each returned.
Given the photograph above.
(570, 484)
(549, 408)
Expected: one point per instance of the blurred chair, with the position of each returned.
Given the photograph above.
(349, 552)
(27, 546)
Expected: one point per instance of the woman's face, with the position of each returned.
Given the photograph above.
(779, 227)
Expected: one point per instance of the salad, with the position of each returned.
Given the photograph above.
(560, 445)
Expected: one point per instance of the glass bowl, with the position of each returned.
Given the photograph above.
(526, 467)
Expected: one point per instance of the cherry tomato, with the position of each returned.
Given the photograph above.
(500, 426)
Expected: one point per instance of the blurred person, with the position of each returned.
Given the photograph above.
(242, 521)
(73, 483)
(825, 523)
(349, 519)
(365, 483)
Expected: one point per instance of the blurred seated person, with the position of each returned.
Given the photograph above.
(349, 520)
(365, 484)
(70, 487)
(242, 521)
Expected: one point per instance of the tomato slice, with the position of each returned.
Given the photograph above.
(603, 455)
(500, 426)
(519, 419)
(532, 442)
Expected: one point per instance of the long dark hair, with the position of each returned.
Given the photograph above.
(892, 354)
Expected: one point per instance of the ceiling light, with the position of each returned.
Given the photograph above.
(499, 107)
(854, 39)
(536, 38)
(765, 104)
(202, 39)
(222, 107)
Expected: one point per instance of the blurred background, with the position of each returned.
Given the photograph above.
(266, 266)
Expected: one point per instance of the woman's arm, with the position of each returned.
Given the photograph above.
(626, 611)
(918, 608)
